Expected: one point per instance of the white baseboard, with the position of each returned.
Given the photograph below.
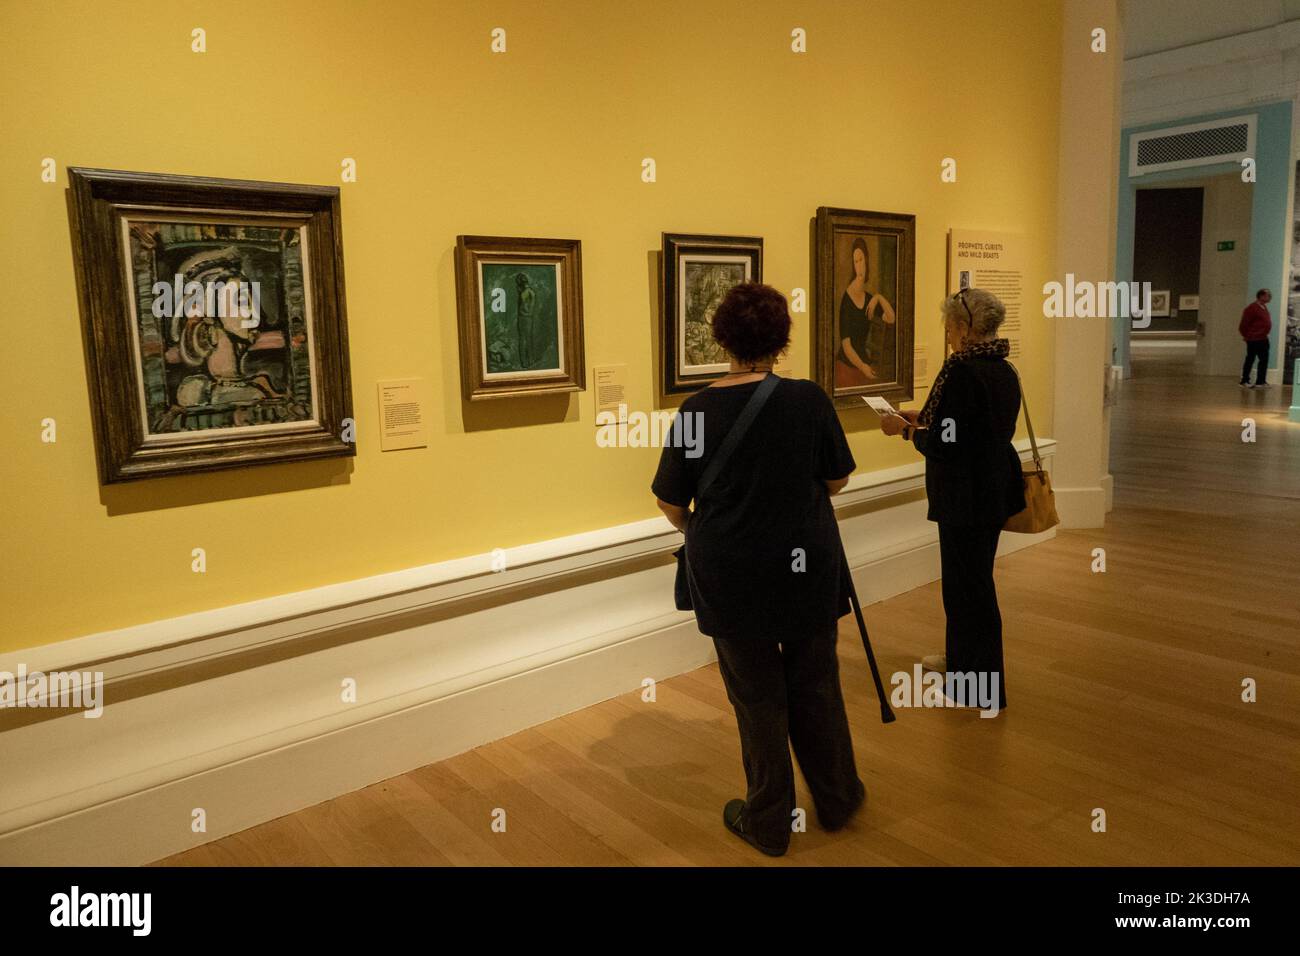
(149, 824)
(445, 658)
(1083, 507)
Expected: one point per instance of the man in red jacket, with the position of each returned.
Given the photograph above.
(1255, 326)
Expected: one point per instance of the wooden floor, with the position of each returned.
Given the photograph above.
(1124, 691)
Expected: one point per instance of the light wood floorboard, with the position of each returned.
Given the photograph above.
(1124, 691)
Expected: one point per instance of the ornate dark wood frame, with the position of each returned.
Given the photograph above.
(830, 221)
(674, 245)
(97, 199)
(470, 250)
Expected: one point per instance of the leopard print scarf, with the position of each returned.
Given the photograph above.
(998, 347)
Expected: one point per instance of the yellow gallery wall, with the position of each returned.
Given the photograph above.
(547, 140)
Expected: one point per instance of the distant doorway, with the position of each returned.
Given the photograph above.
(1191, 239)
(1167, 254)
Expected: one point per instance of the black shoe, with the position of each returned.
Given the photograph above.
(731, 814)
(831, 826)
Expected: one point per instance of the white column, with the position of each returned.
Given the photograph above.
(1087, 209)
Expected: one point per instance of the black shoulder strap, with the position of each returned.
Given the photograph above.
(737, 432)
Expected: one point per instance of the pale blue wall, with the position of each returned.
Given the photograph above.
(1269, 213)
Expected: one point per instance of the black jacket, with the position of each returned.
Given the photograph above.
(972, 471)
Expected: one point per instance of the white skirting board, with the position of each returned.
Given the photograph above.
(1084, 507)
(445, 658)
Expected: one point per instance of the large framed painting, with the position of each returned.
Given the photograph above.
(695, 273)
(864, 264)
(520, 309)
(214, 319)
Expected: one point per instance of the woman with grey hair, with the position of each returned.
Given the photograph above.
(973, 479)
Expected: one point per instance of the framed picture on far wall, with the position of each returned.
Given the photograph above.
(215, 325)
(1160, 303)
(864, 268)
(520, 316)
(696, 272)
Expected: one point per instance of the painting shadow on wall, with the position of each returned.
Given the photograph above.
(654, 265)
(180, 491)
(518, 412)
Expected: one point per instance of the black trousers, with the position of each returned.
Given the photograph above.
(1255, 350)
(789, 694)
(973, 636)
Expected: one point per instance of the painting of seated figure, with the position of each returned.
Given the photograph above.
(864, 268)
(214, 321)
(223, 325)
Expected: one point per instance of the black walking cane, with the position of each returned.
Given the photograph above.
(886, 714)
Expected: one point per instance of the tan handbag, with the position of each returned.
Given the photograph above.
(1040, 502)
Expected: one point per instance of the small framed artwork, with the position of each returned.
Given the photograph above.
(214, 320)
(1160, 303)
(864, 267)
(696, 272)
(519, 303)
(1189, 303)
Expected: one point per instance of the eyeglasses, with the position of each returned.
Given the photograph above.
(961, 294)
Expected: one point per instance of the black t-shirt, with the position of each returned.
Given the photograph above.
(763, 546)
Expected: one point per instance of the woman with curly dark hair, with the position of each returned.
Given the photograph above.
(765, 568)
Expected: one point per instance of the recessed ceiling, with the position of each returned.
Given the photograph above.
(1153, 26)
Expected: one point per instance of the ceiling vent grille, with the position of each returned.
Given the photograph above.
(1200, 144)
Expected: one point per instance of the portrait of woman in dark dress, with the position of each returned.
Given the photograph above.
(765, 561)
(863, 316)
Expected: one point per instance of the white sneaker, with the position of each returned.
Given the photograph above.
(1265, 385)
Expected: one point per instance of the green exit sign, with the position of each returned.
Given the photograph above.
(1227, 246)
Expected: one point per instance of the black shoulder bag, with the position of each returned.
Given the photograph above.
(681, 588)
